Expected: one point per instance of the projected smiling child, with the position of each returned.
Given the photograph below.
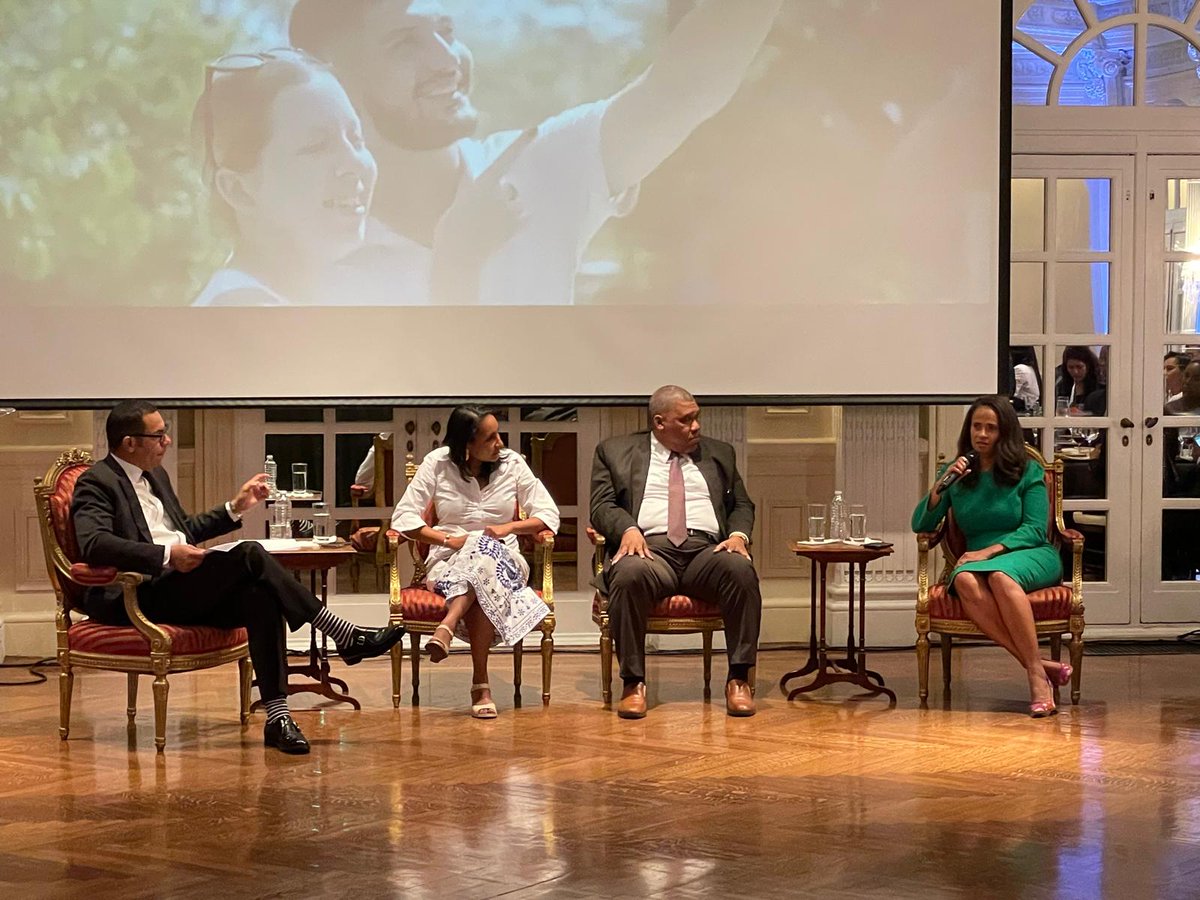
(289, 173)
(411, 78)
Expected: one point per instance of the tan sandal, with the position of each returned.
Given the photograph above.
(439, 650)
(486, 710)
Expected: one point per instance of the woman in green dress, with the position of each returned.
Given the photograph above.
(1002, 508)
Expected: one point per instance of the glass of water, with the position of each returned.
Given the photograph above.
(816, 521)
(322, 524)
(858, 522)
(299, 478)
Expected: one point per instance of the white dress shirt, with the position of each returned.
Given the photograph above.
(652, 517)
(162, 530)
(462, 506)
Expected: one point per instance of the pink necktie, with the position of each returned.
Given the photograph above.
(676, 503)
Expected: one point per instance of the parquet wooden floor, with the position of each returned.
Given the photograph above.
(831, 796)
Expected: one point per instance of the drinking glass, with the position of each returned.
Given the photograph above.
(322, 524)
(816, 521)
(299, 478)
(858, 522)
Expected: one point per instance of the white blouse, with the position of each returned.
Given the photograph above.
(462, 506)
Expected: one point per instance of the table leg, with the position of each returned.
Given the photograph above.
(811, 664)
(850, 663)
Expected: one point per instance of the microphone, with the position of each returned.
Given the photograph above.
(951, 476)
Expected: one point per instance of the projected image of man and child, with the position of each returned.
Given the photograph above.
(348, 170)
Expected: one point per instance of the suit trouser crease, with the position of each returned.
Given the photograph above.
(727, 580)
(244, 587)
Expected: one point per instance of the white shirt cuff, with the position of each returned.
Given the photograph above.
(745, 537)
(237, 517)
(166, 556)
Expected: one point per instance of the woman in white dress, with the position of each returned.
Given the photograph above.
(474, 487)
(290, 177)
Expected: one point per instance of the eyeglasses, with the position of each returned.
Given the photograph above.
(229, 64)
(160, 436)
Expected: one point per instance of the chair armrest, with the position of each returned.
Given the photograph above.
(94, 576)
(595, 537)
(1070, 534)
(545, 536)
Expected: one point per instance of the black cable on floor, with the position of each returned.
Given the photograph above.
(38, 677)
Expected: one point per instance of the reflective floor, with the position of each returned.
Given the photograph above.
(833, 796)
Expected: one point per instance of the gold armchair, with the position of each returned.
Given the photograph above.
(142, 648)
(1057, 610)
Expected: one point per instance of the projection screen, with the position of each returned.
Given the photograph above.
(501, 198)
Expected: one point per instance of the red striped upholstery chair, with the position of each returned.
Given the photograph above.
(1057, 610)
(142, 648)
(677, 614)
(420, 610)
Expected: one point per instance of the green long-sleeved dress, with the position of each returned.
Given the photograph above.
(1014, 516)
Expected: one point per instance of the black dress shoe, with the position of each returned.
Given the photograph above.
(365, 644)
(284, 734)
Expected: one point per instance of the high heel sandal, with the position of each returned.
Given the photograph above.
(485, 710)
(1063, 678)
(1040, 709)
(439, 650)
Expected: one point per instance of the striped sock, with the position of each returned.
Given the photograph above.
(276, 709)
(335, 626)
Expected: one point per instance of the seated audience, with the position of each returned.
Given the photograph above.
(463, 501)
(676, 519)
(1079, 383)
(1002, 508)
(127, 515)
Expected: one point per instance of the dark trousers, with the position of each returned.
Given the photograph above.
(727, 580)
(243, 587)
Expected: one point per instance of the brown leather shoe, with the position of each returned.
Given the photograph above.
(633, 701)
(738, 699)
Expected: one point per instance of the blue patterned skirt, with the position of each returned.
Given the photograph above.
(500, 579)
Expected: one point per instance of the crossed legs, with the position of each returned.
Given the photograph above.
(480, 633)
(1001, 610)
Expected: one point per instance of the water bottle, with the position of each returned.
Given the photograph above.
(837, 517)
(271, 468)
(281, 516)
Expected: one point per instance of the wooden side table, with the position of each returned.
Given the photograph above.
(853, 669)
(317, 560)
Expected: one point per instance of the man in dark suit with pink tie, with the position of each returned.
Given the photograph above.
(674, 506)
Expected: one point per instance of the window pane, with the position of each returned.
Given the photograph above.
(1171, 76)
(289, 449)
(1093, 525)
(553, 458)
(1031, 77)
(1182, 301)
(1085, 474)
(1028, 214)
(1083, 213)
(294, 414)
(1101, 74)
(1080, 381)
(1027, 384)
(1181, 455)
(362, 414)
(1026, 298)
(1178, 232)
(1081, 297)
(1172, 9)
(1110, 9)
(1052, 23)
(1180, 549)
(356, 464)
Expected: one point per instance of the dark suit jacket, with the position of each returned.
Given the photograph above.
(112, 531)
(619, 472)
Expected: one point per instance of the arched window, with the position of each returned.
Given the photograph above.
(1106, 53)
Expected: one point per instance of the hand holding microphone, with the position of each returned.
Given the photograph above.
(957, 470)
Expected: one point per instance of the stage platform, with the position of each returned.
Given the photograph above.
(830, 796)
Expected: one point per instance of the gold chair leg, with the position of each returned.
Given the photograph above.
(518, 661)
(923, 666)
(397, 652)
(160, 712)
(131, 690)
(606, 656)
(547, 663)
(245, 677)
(1077, 665)
(66, 681)
(708, 642)
(947, 645)
(415, 640)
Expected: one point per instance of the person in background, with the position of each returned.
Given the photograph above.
(1027, 380)
(463, 502)
(1079, 382)
(1002, 507)
(1173, 365)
